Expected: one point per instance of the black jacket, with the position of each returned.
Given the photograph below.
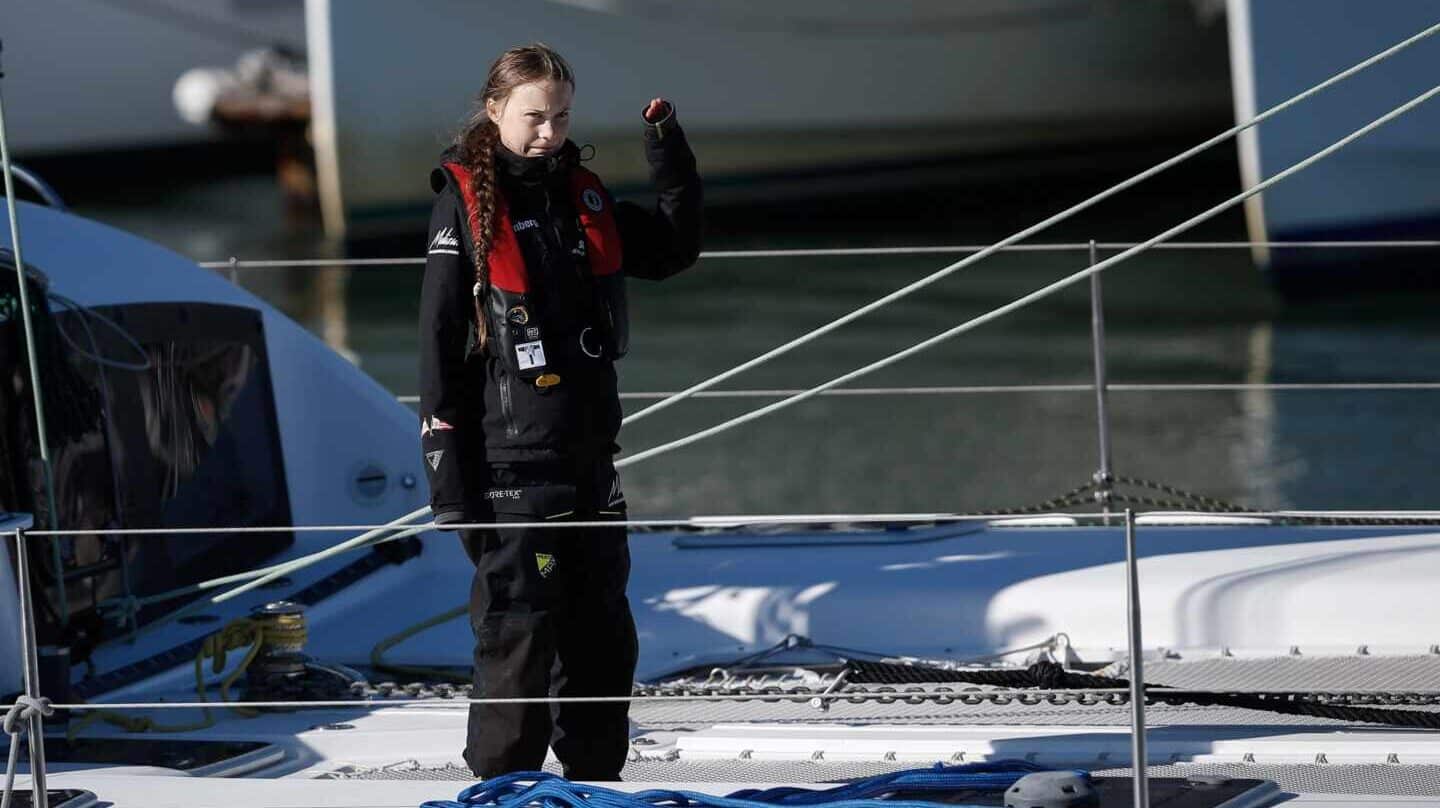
(472, 412)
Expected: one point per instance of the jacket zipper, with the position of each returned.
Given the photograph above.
(507, 409)
(559, 238)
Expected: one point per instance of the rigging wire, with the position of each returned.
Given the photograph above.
(1020, 302)
(790, 401)
(841, 252)
(945, 390)
(1007, 519)
(1029, 231)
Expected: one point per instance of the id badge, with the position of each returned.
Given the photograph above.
(530, 354)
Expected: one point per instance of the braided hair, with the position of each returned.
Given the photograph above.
(475, 145)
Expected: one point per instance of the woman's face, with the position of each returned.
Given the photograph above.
(535, 118)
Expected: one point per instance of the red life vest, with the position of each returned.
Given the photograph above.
(517, 330)
(597, 221)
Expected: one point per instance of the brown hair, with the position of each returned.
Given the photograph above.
(475, 147)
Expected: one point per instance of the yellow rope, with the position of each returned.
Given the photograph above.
(377, 654)
(243, 633)
(284, 631)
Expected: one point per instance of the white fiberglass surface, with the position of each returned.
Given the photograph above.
(1256, 590)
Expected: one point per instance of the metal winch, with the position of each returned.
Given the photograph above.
(281, 670)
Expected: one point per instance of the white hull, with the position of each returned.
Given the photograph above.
(1386, 185)
(87, 76)
(322, 403)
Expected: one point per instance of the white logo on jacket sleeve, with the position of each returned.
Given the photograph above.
(434, 458)
(431, 425)
(444, 242)
(592, 200)
(530, 354)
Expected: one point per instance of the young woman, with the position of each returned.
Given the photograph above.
(522, 317)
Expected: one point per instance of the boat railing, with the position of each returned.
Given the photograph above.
(668, 526)
(1024, 389)
(32, 706)
(235, 264)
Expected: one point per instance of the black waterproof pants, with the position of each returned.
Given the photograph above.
(550, 617)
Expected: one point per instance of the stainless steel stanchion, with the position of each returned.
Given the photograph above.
(1105, 476)
(30, 650)
(1137, 668)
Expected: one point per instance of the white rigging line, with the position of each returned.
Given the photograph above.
(236, 263)
(373, 535)
(980, 389)
(690, 522)
(720, 522)
(1023, 301)
(837, 252)
(1063, 247)
(376, 532)
(1023, 234)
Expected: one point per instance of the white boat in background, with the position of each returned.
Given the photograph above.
(1386, 186)
(98, 75)
(775, 95)
(774, 90)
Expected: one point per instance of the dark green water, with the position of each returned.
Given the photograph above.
(1172, 317)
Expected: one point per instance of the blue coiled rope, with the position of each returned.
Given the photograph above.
(544, 790)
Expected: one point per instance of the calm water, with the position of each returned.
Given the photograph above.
(1171, 317)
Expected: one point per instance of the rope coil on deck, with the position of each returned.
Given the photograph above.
(545, 790)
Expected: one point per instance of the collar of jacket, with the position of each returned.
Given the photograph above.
(535, 170)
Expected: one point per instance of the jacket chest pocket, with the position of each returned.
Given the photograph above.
(531, 415)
